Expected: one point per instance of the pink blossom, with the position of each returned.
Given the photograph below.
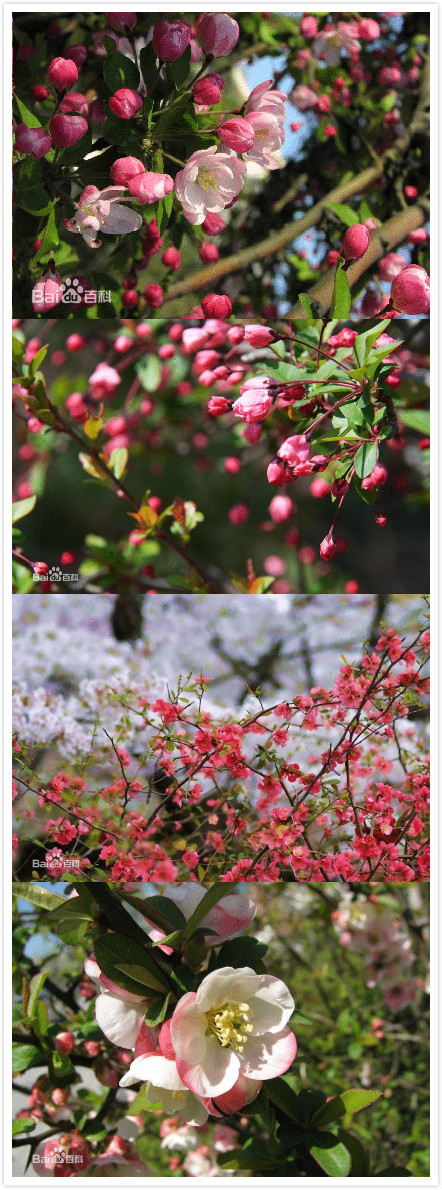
(209, 182)
(268, 138)
(264, 98)
(32, 140)
(230, 917)
(254, 404)
(332, 42)
(280, 509)
(303, 97)
(103, 381)
(119, 1155)
(236, 1023)
(150, 187)
(102, 210)
(154, 1064)
(217, 32)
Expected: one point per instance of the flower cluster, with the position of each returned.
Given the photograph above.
(371, 930)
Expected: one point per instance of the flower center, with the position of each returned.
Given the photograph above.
(230, 1024)
(206, 180)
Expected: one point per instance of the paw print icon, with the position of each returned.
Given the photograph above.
(55, 574)
(72, 291)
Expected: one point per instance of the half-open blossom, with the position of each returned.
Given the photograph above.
(303, 97)
(154, 1064)
(264, 98)
(254, 404)
(268, 139)
(120, 1159)
(101, 210)
(149, 187)
(119, 1013)
(210, 181)
(292, 460)
(333, 41)
(230, 917)
(103, 381)
(236, 1023)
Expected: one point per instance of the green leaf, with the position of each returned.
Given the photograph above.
(24, 1056)
(27, 116)
(281, 1094)
(364, 342)
(328, 368)
(149, 371)
(140, 1103)
(18, 350)
(178, 70)
(416, 419)
(360, 1157)
(308, 1103)
(72, 918)
(118, 461)
(214, 894)
(29, 191)
(341, 300)
(149, 67)
(50, 238)
(115, 951)
(37, 894)
(22, 508)
(119, 71)
(139, 975)
(35, 987)
(156, 1011)
(40, 1020)
(306, 304)
(159, 911)
(27, 1124)
(37, 360)
(366, 459)
(330, 1154)
(240, 952)
(344, 213)
(344, 1105)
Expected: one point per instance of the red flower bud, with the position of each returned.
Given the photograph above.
(208, 252)
(74, 102)
(171, 258)
(217, 32)
(215, 305)
(170, 39)
(66, 130)
(206, 91)
(355, 241)
(77, 54)
(154, 295)
(64, 1042)
(125, 103)
(125, 168)
(237, 134)
(62, 73)
(410, 291)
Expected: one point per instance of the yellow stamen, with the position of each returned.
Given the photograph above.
(230, 1025)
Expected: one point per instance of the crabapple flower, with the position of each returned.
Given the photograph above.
(149, 187)
(292, 459)
(268, 140)
(303, 97)
(391, 265)
(119, 1158)
(254, 404)
(236, 1023)
(62, 73)
(237, 134)
(210, 181)
(119, 1013)
(101, 210)
(32, 140)
(332, 42)
(217, 33)
(264, 98)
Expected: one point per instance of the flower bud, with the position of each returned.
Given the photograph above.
(217, 32)
(46, 294)
(239, 514)
(74, 102)
(207, 92)
(215, 305)
(170, 39)
(32, 140)
(122, 21)
(171, 258)
(253, 404)
(208, 252)
(154, 295)
(40, 93)
(62, 73)
(280, 508)
(149, 187)
(66, 130)
(218, 405)
(368, 30)
(125, 168)
(355, 242)
(77, 54)
(410, 291)
(259, 336)
(64, 1043)
(125, 103)
(237, 134)
(391, 265)
(328, 548)
(309, 26)
(213, 224)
